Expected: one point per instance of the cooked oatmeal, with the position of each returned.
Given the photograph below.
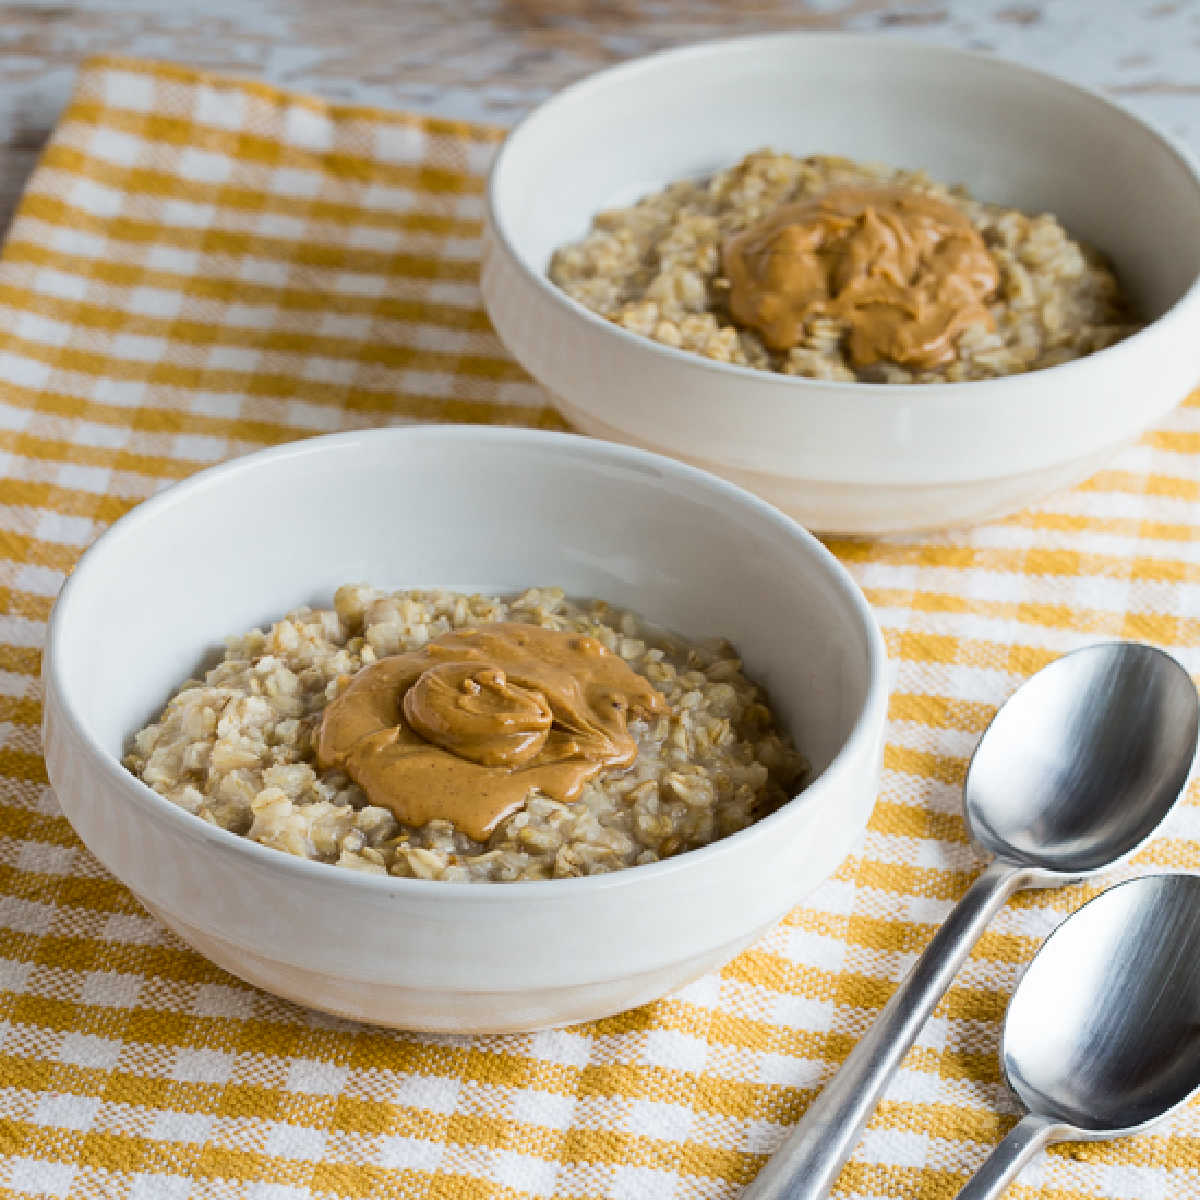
(661, 268)
(239, 749)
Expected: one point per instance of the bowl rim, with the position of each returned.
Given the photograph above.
(648, 63)
(867, 726)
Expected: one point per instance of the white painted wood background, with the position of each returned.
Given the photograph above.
(492, 59)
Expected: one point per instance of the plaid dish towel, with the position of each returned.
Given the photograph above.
(204, 266)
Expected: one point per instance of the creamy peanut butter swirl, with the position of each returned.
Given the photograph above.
(906, 272)
(469, 725)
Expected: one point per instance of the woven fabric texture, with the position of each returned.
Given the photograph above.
(205, 266)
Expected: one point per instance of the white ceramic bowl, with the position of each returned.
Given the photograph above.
(479, 509)
(848, 457)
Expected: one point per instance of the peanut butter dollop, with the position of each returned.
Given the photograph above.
(905, 271)
(467, 726)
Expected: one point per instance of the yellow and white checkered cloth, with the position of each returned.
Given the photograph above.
(201, 267)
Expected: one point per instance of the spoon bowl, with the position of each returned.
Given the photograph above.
(1077, 770)
(1102, 1036)
(1103, 1032)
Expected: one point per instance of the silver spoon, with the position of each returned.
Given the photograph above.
(1074, 773)
(1102, 1036)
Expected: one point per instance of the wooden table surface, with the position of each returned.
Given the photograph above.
(492, 59)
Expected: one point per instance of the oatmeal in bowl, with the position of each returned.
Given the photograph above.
(864, 365)
(436, 735)
(638, 809)
(833, 269)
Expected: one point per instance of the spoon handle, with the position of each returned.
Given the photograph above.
(810, 1158)
(1024, 1140)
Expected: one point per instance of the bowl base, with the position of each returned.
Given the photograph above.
(429, 1010)
(872, 509)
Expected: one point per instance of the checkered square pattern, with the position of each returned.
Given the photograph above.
(201, 267)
